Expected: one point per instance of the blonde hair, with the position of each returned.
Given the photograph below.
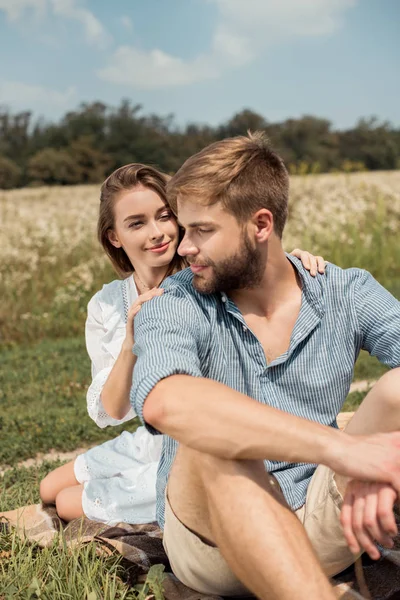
(123, 179)
(243, 173)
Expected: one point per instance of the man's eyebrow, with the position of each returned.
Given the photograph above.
(199, 224)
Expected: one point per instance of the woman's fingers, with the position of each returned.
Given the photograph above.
(310, 262)
(142, 299)
(320, 264)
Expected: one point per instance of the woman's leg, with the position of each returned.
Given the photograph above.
(57, 480)
(69, 503)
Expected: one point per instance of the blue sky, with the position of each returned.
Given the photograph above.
(204, 60)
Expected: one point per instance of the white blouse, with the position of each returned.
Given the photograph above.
(105, 332)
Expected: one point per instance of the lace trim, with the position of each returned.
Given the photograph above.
(125, 298)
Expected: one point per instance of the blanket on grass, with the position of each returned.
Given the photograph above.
(141, 548)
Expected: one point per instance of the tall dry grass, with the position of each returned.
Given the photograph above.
(51, 261)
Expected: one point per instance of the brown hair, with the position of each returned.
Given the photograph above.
(125, 179)
(243, 173)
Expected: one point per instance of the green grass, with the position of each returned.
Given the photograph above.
(42, 395)
(27, 571)
(45, 371)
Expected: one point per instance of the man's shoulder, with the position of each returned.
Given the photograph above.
(180, 285)
(180, 300)
(344, 284)
(336, 275)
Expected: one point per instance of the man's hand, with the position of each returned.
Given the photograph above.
(374, 458)
(367, 516)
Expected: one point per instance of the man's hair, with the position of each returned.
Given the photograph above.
(243, 173)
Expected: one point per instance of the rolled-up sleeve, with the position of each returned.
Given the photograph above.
(168, 334)
(102, 364)
(378, 314)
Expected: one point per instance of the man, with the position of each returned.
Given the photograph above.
(245, 361)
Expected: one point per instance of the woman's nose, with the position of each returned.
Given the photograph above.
(156, 233)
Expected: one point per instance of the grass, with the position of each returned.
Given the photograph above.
(42, 395)
(51, 265)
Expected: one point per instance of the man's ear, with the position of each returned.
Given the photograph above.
(264, 224)
(113, 238)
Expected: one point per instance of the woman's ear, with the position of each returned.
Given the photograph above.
(113, 238)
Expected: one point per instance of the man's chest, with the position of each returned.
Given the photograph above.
(300, 367)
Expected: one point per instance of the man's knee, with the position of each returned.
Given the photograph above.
(212, 473)
(388, 390)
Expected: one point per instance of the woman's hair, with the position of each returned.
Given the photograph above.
(126, 178)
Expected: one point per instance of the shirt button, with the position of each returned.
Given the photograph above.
(223, 298)
(244, 328)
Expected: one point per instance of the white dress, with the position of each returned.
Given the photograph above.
(119, 476)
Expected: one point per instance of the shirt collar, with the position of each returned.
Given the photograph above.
(311, 287)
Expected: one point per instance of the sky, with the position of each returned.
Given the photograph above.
(204, 60)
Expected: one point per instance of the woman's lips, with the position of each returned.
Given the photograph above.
(160, 249)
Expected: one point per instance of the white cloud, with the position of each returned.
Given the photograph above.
(15, 9)
(243, 30)
(41, 99)
(155, 69)
(94, 31)
(126, 22)
(70, 9)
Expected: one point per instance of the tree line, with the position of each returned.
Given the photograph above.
(90, 142)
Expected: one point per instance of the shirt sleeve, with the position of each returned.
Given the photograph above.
(102, 364)
(378, 314)
(168, 341)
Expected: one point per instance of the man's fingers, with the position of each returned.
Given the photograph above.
(371, 521)
(386, 499)
(346, 519)
(364, 538)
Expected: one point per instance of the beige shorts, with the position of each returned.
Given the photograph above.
(202, 567)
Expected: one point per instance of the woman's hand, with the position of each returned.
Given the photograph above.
(310, 262)
(133, 311)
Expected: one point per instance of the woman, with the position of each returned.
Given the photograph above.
(115, 481)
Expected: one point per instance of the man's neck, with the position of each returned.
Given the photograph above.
(280, 284)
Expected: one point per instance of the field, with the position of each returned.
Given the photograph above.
(51, 265)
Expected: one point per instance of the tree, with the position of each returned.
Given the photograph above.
(50, 166)
(10, 173)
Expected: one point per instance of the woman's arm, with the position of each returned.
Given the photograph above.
(108, 395)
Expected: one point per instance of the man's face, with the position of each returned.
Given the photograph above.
(221, 253)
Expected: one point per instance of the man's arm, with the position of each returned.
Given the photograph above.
(223, 422)
(171, 396)
(378, 315)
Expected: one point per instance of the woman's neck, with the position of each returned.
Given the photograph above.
(146, 279)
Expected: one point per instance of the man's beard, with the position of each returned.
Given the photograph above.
(244, 270)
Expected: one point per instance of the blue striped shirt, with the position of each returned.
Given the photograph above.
(342, 312)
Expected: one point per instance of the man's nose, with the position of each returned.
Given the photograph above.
(187, 248)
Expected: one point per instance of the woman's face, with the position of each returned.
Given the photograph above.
(145, 228)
